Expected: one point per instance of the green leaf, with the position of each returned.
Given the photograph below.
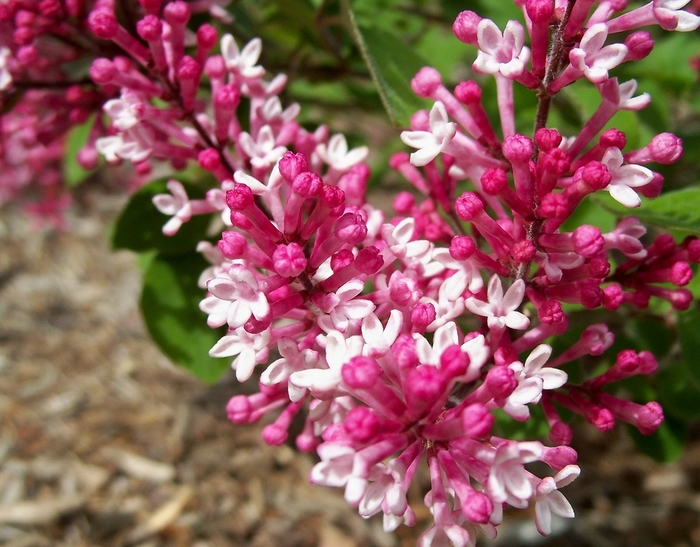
(170, 307)
(688, 329)
(678, 210)
(140, 226)
(392, 65)
(73, 172)
(678, 394)
(666, 444)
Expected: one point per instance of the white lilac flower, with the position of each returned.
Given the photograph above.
(500, 310)
(431, 143)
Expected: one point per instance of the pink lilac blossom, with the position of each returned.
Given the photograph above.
(390, 347)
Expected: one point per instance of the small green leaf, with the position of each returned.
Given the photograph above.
(678, 210)
(170, 307)
(140, 225)
(392, 65)
(665, 444)
(73, 172)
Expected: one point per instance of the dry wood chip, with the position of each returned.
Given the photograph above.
(41, 511)
(164, 516)
(140, 467)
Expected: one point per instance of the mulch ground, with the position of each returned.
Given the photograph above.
(103, 442)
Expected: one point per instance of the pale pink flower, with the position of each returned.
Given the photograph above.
(176, 205)
(234, 298)
(593, 57)
(262, 150)
(625, 178)
(549, 500)
(291, 360)
(126, 111)
(501, 53)
(431, 143)
(378, 338)
(242, 62)
(500, 310)
(336, 153)
(508, 480)
(249, 349)
(343, 307)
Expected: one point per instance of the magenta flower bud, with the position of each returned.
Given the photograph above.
(555, 161)
(639, 45)
(369, 260)
(681, 274)
(693, 248)
(554, 206)
(102, 71)
(647, 363)
(24, 36)
(292, 164)
(240, 197)
(613, 297)
(354, 182)
(215, 67)
(228, 96)
(550, 312)
(462, 247)
(594, 174)
(207, 37)
(547, 139)
(289, 260)
(494, 181)
(468, 93)
(404, 352)
(468, 206)
(103, 24)
(361, 373)
(477, 421)
(209, 159)
(350, 228)
(426, 82)
(523, 251)
(399, 159)
(361, 424)
(332, 196)
(477, 507)
(649, 418)
(275, 435)
(422, 388)
(177, 13)
(150, 28)
(680, 299)
(453, 361)
(539, 11)
(601, 418)
(591, 295)
(404, 203)
(627, 361)
(588, 240)
(88, 158)
(232, 244)
(307, 184)
(666, 148)
(465, 27)
(188, 69)
(613, 138)
(561, 433)
(598, 267)
(422, 315)
(500, 382)
(239, 409)
(518, 148)
(558, 457)
(341, 259)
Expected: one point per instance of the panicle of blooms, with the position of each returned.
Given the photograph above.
(396, 340)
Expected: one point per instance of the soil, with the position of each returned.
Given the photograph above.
(103, 442)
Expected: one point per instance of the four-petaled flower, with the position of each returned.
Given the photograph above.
(501, 53)
(625, 178)
(433, 142)
(500, 310)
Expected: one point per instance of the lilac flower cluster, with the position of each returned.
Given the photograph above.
(397, 340)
